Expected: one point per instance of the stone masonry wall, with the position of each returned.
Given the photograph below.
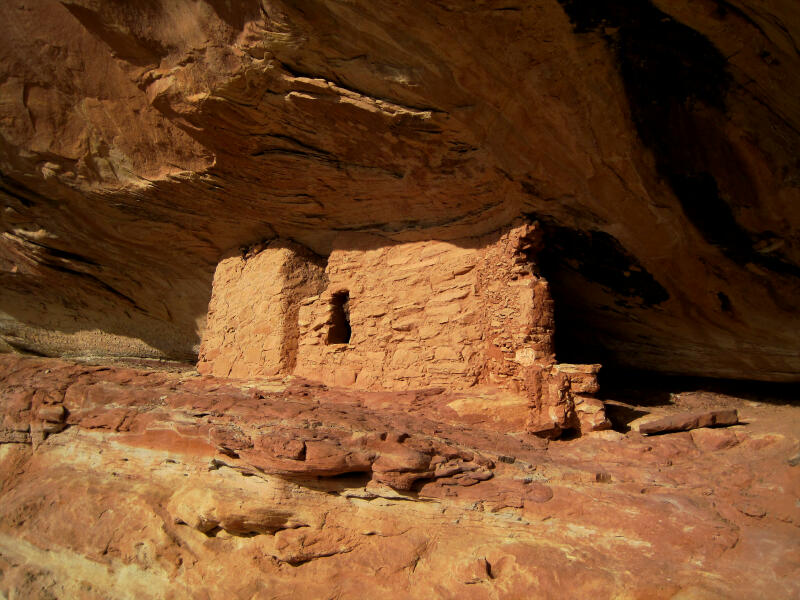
(430, 313)
(400, 316)
(251, 328)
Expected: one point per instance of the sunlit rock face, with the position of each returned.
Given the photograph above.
(656, 146)
(129, 483)
(390, 245)
(472, 314)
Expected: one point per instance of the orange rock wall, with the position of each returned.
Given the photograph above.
(430, 313)
(139, 143)
(252, 316)
(122, 483)
(421, 314)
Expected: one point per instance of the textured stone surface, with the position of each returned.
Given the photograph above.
(152, 150)
(166, 484)
(252, 316)
(141, 142)
(688, 421)
(467, 312)
(472, 313)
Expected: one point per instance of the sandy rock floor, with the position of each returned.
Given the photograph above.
(123, 481)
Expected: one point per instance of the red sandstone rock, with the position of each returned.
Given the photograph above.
(464, 314)
(687, 421)
(139, 146)
(378, 175)
(709, 440)
(160, 505)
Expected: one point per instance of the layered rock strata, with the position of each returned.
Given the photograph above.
(656, 141)
(122, 483)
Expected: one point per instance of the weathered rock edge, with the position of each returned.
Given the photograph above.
(135, 483)
(657, 140)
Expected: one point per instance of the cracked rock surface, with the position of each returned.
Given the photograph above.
(159, 483)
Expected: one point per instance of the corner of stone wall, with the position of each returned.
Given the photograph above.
(422, 313)
(252, 321)
(562, 400)
(561, 394)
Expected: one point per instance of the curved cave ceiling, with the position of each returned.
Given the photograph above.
(656, 143)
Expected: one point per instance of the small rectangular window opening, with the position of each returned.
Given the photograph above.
(339, 332)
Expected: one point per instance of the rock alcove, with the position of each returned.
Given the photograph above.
(509, 194)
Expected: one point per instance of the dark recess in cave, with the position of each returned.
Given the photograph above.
(724, 302)
(631, 394)
(599, 257)
(340, 332)
(571, 260)
(646, 388)
(676, 82)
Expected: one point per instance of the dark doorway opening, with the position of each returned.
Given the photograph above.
(595, 284)
(339, 332)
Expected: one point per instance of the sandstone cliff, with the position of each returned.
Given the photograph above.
(657, 144)
(320, 291)
(133, 483)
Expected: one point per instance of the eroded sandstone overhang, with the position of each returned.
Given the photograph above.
(657, 140)
(401, 316)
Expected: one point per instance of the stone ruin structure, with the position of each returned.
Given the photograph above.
(401, 316)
